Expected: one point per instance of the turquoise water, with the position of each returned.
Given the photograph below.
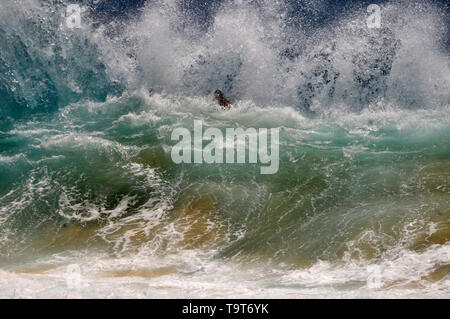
(87, 178)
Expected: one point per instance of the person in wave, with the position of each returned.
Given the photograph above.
(223, 102)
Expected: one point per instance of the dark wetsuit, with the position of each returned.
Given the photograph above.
(221, 99)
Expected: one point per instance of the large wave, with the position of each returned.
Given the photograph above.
(266, 51)
(86, 174)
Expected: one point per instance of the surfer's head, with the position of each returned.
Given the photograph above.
(218, 94)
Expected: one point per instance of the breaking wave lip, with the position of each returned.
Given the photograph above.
(348, 67)
(405, 276)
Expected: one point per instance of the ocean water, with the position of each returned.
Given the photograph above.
(92, 205)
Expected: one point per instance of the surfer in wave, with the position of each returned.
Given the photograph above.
(223, 102)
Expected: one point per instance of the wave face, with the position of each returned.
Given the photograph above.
(43, 65)
(359, 207)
